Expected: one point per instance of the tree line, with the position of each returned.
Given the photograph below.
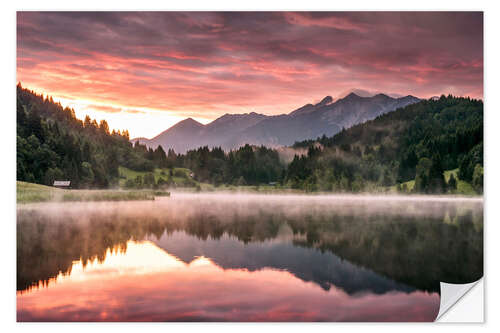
(418, 142)
(52, 144)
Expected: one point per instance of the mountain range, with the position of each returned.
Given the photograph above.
(311, 265)
(310, 121)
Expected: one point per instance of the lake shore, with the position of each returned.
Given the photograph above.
(31, 193)
(271, 190)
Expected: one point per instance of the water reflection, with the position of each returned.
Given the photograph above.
(124, 287)
(323, 268)
(247, 258)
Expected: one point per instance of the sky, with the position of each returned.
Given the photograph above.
(145, 71)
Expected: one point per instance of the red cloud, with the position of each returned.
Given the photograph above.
(206, 64)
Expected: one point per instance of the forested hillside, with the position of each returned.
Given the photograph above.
(418, 142)
(52, 144)
(247, 165)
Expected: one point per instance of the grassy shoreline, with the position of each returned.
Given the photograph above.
(30, 193)
(287, 191)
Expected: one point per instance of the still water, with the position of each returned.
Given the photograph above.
(230, 257)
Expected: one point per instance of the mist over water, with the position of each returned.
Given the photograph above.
(327, 257)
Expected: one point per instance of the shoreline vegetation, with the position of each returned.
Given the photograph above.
(183, 179)
(31, 193)
(36, 193)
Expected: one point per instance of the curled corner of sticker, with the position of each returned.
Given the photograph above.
(451, 294)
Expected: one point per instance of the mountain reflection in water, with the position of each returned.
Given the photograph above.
(245, 258)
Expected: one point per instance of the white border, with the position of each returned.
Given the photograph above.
(492, 167)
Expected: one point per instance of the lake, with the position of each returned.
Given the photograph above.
(235, 257)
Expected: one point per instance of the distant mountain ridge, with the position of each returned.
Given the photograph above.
(310, 121)
(328, 269)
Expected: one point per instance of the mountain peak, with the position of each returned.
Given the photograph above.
(229, 116)
(308, 108)
(310, 121)
(188, 123)
(351, 96)
(325, 101)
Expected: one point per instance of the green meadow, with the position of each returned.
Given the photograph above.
(29, 193)
(463, 187)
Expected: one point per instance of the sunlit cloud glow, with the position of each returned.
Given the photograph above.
(174, 65)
